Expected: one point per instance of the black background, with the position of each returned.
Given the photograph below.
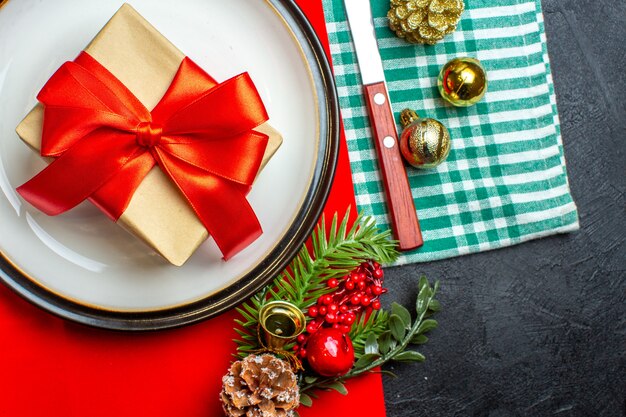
(539, 329)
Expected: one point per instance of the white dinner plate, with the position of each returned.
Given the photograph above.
(84, 267)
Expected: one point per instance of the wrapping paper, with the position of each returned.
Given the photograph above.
(146, 62)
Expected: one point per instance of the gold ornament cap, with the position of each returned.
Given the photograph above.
(462, 82)
(424, 143)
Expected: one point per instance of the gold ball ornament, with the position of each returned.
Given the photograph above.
(424, 21)
(462, 82)
(424, 143)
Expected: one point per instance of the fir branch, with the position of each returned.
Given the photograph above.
(334, 254)
(375, 323)
(378, 337)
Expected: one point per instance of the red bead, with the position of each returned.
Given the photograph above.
(345, 329)
(349, 285)
(323, 310)
(376, 305)
(332, 283)
(349, 318)
(313, 311)
(368, 291)
(362, 276)
(356, 299)
(311, 328)
(365, 301)
(331, 318)
(336, 326)
(302, 353)
(376, 265)
(362, 285)
(296, 348)
(378, 273)
(377, 290)
(333, 308)
(301, 338)
(320, 300)
(328, 299)
(343, 308)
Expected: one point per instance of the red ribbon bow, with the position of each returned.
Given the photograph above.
(105, 142)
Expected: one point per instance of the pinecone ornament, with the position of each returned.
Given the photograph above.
(424, 21)
(260, 386)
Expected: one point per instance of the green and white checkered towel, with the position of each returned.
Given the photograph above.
(505, 180)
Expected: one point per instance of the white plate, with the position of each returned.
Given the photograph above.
(83, 266)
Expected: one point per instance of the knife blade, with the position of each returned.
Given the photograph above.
(399, 197)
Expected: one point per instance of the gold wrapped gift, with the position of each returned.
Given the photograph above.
(146, 62)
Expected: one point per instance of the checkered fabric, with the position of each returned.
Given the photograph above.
(505, 180)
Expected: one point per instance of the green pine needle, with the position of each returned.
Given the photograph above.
(334, 255)
(378, 337)
(375, 324)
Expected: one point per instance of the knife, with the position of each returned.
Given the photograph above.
(399, 198)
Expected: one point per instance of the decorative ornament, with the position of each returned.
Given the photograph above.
(462, 82)
(352, 294)
(281, 322)
(424, 143)
(424, 21)
(337, 282)
(330, 352)
(260, 385)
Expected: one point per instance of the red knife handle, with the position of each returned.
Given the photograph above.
(399, 198)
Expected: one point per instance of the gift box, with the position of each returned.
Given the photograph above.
(141, 58)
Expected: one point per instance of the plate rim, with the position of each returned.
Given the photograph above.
(261, 274)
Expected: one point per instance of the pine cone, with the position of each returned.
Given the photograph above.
(260, 386)
(424, 21)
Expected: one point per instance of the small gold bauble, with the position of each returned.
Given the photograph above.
(462, 82)
(424, 143)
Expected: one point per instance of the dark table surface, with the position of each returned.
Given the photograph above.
(539, 329)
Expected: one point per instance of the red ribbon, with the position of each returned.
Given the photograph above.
(105, 142)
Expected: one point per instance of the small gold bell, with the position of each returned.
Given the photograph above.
(462, 82)
(424, 143)
(280, 322)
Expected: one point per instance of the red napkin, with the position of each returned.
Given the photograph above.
(52, 367)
